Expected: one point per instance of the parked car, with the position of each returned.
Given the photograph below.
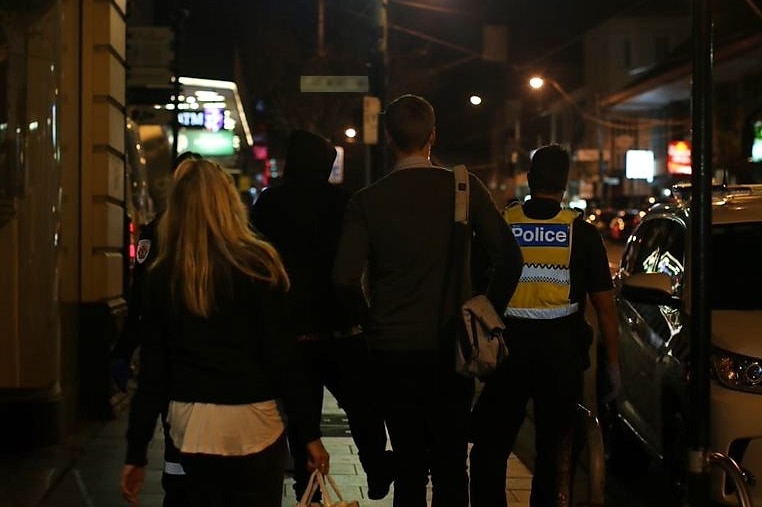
(653, 302)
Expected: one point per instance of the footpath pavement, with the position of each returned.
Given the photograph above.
(84, 472)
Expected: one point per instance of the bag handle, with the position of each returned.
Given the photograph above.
(309, 491)
(321, 480)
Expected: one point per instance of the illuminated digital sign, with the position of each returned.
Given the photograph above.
(679, 157)
(209, 144)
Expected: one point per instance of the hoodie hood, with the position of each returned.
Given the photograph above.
(309, 157)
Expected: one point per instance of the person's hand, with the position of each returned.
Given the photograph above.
(615, 382)
(317, 457)
(121, 373)
(132, 480)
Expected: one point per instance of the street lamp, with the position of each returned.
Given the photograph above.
(475, 100)
(537, 82)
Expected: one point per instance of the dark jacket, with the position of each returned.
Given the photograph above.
(302, 219)
(402, 227)
(242, 354)
(146, 251)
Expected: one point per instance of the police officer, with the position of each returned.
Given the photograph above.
(564, 262)
(173, 476)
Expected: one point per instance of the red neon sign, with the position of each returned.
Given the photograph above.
(679, 157)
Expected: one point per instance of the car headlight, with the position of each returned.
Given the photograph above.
(737, 372)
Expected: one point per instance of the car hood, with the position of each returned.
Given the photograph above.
(739, 332)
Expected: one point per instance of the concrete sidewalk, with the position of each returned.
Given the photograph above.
(84, 472)
(349, 476)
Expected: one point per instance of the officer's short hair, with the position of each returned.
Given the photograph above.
(409, 121)
(549, 169)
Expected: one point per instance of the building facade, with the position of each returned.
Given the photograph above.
(62, 202)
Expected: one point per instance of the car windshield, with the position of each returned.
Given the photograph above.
(736, 270)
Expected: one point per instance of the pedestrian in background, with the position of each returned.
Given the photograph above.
(173, 475)
(302, 218)
(216, 343)
(547, 335)
(400, 229)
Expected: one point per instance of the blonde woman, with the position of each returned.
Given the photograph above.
(218, 348)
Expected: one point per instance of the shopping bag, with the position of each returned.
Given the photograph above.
(325, 483)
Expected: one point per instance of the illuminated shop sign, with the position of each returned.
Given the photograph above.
(208, 144)
(679, 157)
(191, 118)
(756, 145)
(639, 164)
(214, 118)
(211, 119)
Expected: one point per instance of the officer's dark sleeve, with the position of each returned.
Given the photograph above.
(498, 245)
(273, 324)
(129, 340)
(152, 393)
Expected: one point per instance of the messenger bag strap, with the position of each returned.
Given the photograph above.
(461, 194)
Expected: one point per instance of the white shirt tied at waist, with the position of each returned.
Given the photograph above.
(224, 430)
(542, 313)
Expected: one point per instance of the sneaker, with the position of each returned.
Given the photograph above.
(380, 482)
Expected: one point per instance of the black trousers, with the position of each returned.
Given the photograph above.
(173, 479)
(342, 366)
(426, 406)
(545, 364)
(255, 480)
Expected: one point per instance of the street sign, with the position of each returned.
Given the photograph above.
(371, 107)
(334, 84)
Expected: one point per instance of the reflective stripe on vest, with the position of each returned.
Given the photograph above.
(542, 313)
(543, 289)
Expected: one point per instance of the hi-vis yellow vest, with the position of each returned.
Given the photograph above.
(543, 289)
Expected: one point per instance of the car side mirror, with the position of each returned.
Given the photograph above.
(650, 289)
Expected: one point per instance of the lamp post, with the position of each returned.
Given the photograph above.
(378, 84)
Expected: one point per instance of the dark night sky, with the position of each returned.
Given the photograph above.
(277, 41)
(538, 27)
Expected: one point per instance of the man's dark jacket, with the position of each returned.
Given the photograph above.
(302, 218)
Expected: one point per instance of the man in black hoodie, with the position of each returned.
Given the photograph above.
(302, 218)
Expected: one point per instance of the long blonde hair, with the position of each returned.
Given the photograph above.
(205, 230)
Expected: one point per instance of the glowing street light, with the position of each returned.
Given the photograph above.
(475, 100)
(536, 82)
(350, 132)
